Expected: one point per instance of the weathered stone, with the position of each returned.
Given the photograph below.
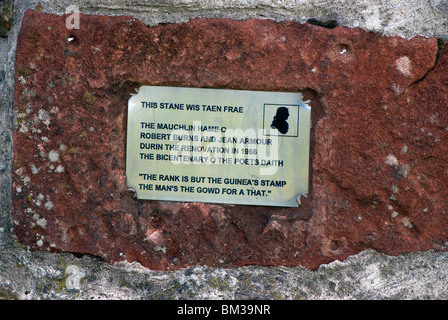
(378, 163)
(368, 275)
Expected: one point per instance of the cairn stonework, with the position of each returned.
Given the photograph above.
(378, 157)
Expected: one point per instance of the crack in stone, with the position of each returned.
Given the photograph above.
(440, 45)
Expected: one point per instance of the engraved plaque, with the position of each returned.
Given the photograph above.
(218, 146)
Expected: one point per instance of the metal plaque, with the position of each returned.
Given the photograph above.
(218, 146)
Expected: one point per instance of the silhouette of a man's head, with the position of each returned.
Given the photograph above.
(279, 121)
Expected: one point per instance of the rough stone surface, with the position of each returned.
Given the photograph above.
(393, 17)
(39, 275)
(369, 275)
(378, 176)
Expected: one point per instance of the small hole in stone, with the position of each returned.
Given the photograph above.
(330, 24)
(343, 48)
(72, 40)
(335, 244)
(338, 244)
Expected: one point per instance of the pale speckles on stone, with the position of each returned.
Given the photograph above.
(49, 205)
(397, 88)
(59, 169)
(23, 128)
(22, 80)
(26, 180)
(335, 168)
(41, 222)
(391, 160)
(53, 156)
(44, 117)
(403, 64)
(433, 118)
(154, 236)
(403, 170)
(20, 115)
(40, 242)
(34, 169)
(37, 201)
(404, 149)
(160, 248)
(394, 189)
(20, 171)
(406, 221)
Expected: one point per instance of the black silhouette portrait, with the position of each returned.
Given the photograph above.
(279, 121)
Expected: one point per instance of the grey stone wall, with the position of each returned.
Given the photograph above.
(369, 275)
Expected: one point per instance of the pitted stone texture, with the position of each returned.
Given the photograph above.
(378, 162)
(394, 17)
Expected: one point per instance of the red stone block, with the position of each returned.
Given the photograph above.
(378, 164)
